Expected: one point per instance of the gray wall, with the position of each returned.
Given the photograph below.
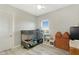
(23, 21)
(62, 19)
(20, 20)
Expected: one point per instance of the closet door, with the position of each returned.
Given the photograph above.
(5, 30)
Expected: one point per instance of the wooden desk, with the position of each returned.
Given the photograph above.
(74, 51)
(74, 47)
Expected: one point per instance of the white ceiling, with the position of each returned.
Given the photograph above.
(32, 8)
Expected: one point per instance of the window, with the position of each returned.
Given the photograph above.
(45, 24)
(45, 28)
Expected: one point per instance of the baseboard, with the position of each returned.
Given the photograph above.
(10, 48)
(16, 46)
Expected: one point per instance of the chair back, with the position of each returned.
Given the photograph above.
(58, 38)
(66, 38)
(66, 35)
(58, 35)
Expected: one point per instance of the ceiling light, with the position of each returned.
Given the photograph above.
(40, 7)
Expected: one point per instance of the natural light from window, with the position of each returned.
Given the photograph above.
(45, 24)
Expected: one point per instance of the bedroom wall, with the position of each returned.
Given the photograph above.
(61, 19)
(20, 20)
(23, 21)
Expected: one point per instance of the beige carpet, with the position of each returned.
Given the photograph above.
(41, 49)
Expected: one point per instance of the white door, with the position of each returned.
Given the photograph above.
(5, 30)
